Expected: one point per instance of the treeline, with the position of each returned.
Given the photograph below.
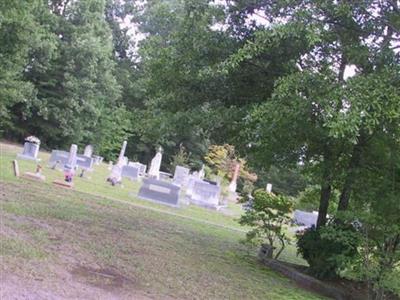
(268, 78)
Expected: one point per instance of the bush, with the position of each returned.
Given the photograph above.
(267, 214)
(328, 249)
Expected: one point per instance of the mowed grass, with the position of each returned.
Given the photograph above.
(159, 252)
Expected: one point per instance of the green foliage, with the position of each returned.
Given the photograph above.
(287, 181)
(308, 199)
(74, 81)
(267, 214)
(328, 249)
(179, 159)
(19, 33)
(113, 128)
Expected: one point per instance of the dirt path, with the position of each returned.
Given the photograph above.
(72, 286)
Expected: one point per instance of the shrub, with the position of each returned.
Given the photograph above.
(328, 249)
(267, 214)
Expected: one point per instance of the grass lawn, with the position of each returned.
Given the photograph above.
(100, 242)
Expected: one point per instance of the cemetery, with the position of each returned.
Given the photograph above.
(200, 149)
(127, 192)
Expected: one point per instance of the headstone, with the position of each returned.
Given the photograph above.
(269, 188)
(130, 172)
(233, 184)
(69, 168)
(88, 151)
(142, 167)
(201, 172)
(159, 191)
(205, 194)
(115, 176)
(72, 157)
(15, 167)
(97, 159)
(190, 184)
(84, 162)
(30, 152)
(58, 159)
(122, 153)
(181, 176)
(305, 218)
(124, 161)
(154, 171)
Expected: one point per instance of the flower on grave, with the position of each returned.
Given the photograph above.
(32, 139)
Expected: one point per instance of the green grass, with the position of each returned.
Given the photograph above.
(166, 252)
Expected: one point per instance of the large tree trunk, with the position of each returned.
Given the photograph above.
(351, 175)
(326, 190)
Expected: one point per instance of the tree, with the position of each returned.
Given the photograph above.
(302, 123)
(19, 33)
(77, 85)
(267, 214)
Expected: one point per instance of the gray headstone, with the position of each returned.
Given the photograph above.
(189, 187)
(142, 167)
(130, 172)
(181, 175)
(205, 194)
(30, 152)
(305, 218)
(84, 162)
(159, 191)
(59, 158)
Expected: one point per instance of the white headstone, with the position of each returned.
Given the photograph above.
(269, 188)
(154, 171)
(201, 172)
(181, 175)
(72, 156)
(121, 157)
(88, 151)
(116, 170)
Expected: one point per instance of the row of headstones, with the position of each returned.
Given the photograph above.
(85, 161)
(66, 161)
(157, 187)
(198, 191)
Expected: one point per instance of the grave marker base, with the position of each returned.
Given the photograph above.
(63, 184)
(34, 176)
